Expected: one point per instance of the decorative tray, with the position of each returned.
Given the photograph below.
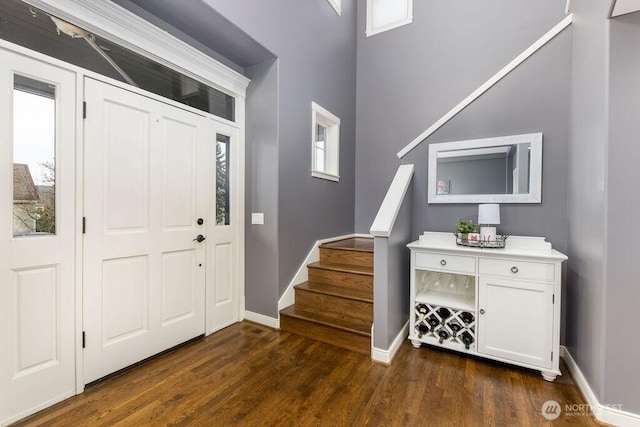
(473, 240)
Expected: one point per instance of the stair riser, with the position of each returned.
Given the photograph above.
(339, 278)
(326, 334)
(346, 257)
(341, 308)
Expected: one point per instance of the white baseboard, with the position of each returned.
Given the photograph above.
(289, 296)
(386, 356)
(602, 412)
(262, 319)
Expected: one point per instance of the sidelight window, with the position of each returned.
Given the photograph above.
(223, 152)
(34, 146)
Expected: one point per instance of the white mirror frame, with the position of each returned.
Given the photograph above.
(535, 176)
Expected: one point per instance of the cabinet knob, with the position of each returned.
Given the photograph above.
(514, 269)
(482, 311)
(443, 262)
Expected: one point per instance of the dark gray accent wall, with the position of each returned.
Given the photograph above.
(316, 52)
(411, 76)
(585, 290)
(621, 305)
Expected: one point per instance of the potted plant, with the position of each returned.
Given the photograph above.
(464, 228)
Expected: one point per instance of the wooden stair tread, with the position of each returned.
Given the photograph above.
(338, 291)
(360, 244)
(367, 271)
(320, 318)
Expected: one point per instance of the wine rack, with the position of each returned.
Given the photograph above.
(444, 309)
(445, 326)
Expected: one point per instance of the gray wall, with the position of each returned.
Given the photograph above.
(261, 241)
(411, 76)
(585, 289)
(316, 52)
(621, 312)
(391, 281)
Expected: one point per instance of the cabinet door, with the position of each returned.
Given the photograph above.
(515, 321)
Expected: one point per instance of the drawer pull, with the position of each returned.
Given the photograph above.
(443, 262)
(514, 269)
(482, 311)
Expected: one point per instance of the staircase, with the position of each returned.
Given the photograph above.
(335, 305)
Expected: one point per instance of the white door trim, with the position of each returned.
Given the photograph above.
(189, 61)
(113, 22)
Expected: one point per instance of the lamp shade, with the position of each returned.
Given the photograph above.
(489, 213)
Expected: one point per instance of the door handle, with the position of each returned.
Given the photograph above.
(199, 239)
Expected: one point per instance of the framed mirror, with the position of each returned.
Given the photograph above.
(506, 169)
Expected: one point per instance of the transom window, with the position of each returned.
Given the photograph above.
(325, 145)
(34, 29)
(383, 15)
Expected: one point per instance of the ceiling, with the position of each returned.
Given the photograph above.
(622, 7)
(203, 24)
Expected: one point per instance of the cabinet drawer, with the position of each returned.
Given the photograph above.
(453, 263)
(515, 269)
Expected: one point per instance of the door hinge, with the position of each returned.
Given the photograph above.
(84, 224)
(84, 109)
(84, 339)
(553, 299)
(552, 356)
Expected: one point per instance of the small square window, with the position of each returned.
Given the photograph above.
(383, 15)
(325, 147)
(337, 6)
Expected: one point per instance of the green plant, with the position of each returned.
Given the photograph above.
(466, 226)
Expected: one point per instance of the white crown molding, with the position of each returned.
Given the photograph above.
(109, 20)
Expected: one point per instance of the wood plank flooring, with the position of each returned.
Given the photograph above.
(250, 375)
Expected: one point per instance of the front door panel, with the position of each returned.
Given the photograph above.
(144, 273)
(37, 208)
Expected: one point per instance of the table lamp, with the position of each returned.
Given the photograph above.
(488, 215)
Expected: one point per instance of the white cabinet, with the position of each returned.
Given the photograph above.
(502, 304)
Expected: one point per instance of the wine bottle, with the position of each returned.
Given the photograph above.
(467, 339)
(443, 334)
(422, 308)
(444, 313)
(422, 329)
(433, 321)
(455, 326)
(467, 317)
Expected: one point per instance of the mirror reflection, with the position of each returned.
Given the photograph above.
(491, 170)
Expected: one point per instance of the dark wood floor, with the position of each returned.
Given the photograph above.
(251, 375)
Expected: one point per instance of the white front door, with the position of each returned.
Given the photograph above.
(145, 203)
(37, 208)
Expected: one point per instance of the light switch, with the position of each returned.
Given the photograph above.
(257, 218)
